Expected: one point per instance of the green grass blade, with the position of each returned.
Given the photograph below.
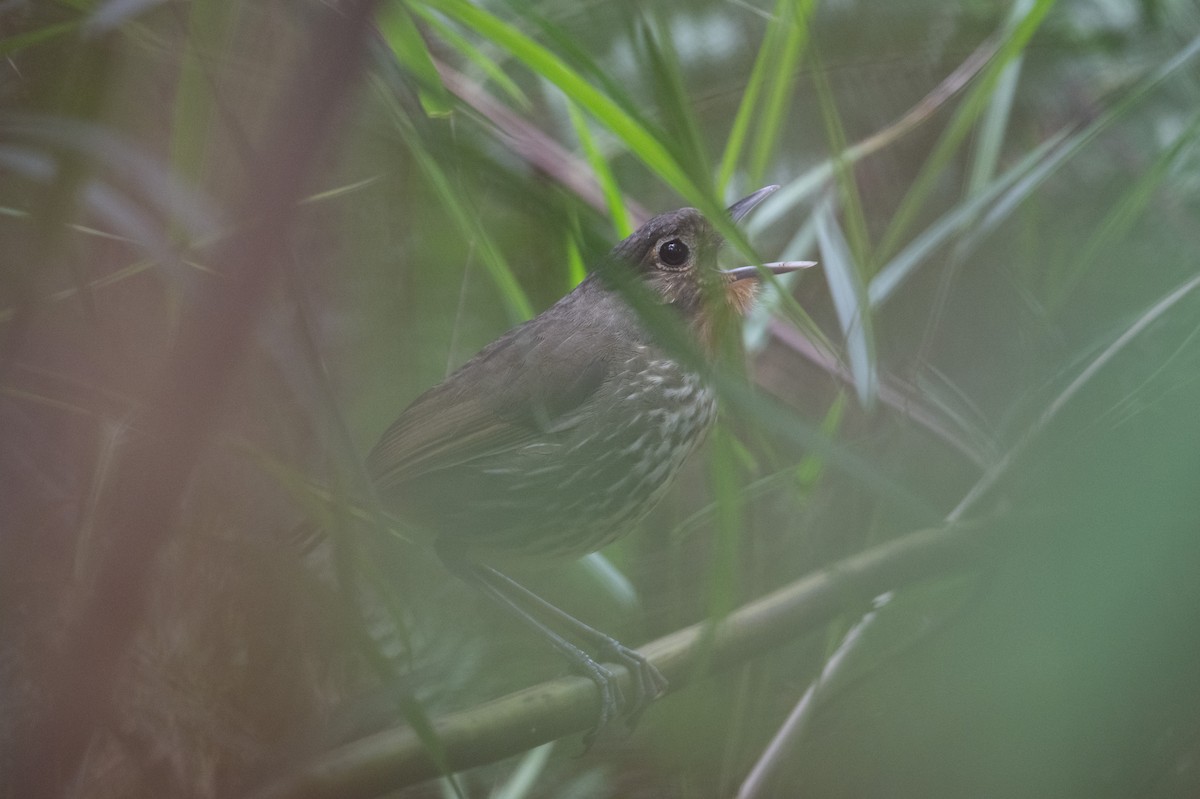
(20, 41)
(1079, 141)
(1008, 192)
(900, 268)
(466, 219)
(640, 141)
(1117, 224)
(849, 301)
(793, 16)
(1064, 397)
(755, 85)
(604, 176)
(523, 780)
(960, 127)
(851, 202)
(810, 468)
(578, 56)
(727, 502)
(400, 33)
(682, 130)
(475, 55)
(195, 103)
(999, 109)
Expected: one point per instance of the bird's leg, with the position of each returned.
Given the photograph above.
(605, 680)
(649, 682)
(610, 689)
(509, 594)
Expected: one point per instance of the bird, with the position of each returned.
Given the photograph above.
(558, 437)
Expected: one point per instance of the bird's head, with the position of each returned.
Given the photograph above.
(675, 254)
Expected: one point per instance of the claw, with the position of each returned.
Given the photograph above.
(611, 698)
(648, 684)
(647, 681)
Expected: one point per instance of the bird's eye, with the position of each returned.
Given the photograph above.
(673, 253)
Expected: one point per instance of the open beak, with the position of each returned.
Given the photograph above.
(738, 210)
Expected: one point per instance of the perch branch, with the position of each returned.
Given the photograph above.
(395, 758)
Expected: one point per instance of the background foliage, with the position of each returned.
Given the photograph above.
(1001, 339)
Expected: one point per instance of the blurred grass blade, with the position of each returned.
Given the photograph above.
(675, 105)
(748, 107)
(1064, 397)
(775, 297)
(576, 268)
(793, 16)
(604, 176)
(637, 137)
(895, 272)
(400, 32)
(112, 14)
(340, 191)
(476, 56)
(960, 127)
(1078, 142)
(652, 152)
(465, 218)
(19, 41)
(849, 301)
(521, 782)
(810, 468)
(126, 219)
(530, 12)
(196, 102)
(799, 190)
(999, 108)
(612, 581)
(791, 196)
(843, 170)
(1009, 191)
(157, 188)
(111, 435)
(727, 502)
(1119, 221)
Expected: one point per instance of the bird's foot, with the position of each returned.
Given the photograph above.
(646, 680)
(611, 698)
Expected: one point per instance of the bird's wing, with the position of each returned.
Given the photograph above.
(518, 389)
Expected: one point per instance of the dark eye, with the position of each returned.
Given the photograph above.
(673, 253)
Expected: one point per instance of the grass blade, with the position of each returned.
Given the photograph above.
(849, 301)
(793, 22)
(960, 126)
(604, 176)
(400, 33)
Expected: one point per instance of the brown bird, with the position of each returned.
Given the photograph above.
(558, 437)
